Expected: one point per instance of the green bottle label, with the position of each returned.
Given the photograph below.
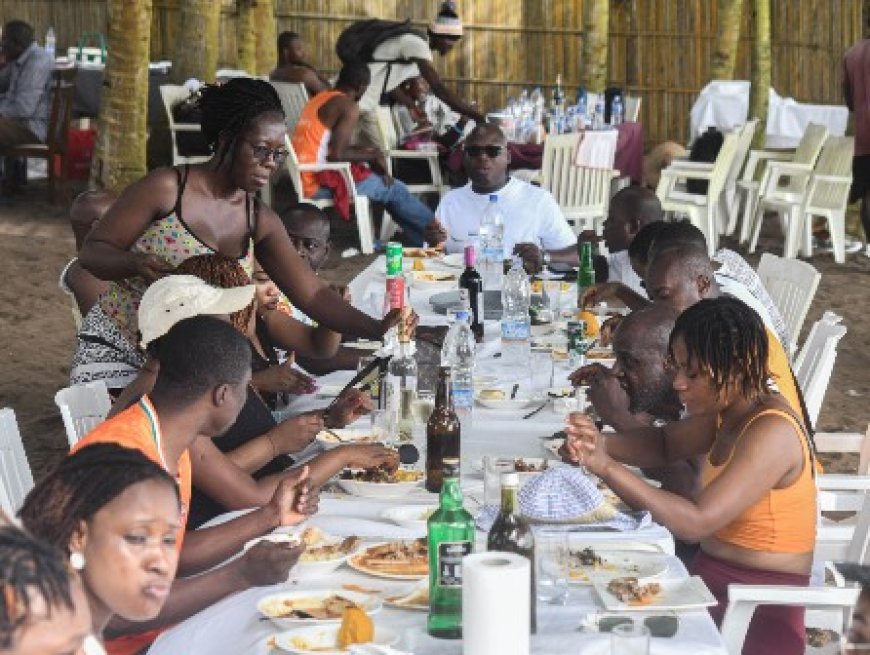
(450, 554)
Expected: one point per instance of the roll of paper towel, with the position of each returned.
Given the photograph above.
(495, 604)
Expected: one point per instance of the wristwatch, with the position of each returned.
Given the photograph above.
(546, 258)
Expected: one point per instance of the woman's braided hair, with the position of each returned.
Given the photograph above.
(225, 273)
(30, 569)
(727, 340)
(231, 107)
(81, 485)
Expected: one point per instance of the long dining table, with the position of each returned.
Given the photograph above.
(234, 625)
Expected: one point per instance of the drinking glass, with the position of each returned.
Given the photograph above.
(382, 426)
(552, 561)
(553, 291)
(541, 372)
(493, 467)
(422, 406)
(629, 639)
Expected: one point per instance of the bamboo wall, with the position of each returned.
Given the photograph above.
(660, 49)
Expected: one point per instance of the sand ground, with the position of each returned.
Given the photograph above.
(37, 332)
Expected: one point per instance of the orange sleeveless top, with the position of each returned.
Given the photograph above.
(783, 520)
(311, 139)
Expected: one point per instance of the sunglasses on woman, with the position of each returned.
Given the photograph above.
(262, 153)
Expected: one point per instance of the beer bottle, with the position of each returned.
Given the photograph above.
(442, 433)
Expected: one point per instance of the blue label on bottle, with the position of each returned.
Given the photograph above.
(515, 330)
(463, 398)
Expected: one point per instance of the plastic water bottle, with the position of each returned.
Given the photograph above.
(492, 244)
(458, 353)
(598, 116)
(515, 323)
(581, 103)
(616, 111)
(50, 42)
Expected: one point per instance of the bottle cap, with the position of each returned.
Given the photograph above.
(511, 479)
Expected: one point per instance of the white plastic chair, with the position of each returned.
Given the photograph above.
(815, 363)
(172, 94)
(792, 284)
(390, 146)
(632, 108)
(743, 599)
(702, 210)
(361, 207)
(15, 475)
(82, 407)
(293, 97)
(583, 194)
(793, 168)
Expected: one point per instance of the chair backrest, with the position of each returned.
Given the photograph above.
(387, 128)
(632, 108)
(744, 143)
(61, 113)
(815, 363)
(792, 284)
(82, 407)
(810, 145)
(171, 95)
(834, 161)
(582, 193)
(722, 166)
(293, 97)
(293, 171)
(15, 474)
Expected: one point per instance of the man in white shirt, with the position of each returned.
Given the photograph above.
(405, 56)
(531, 214)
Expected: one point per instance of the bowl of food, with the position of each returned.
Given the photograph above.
(409, 516)
(501, 399)
(380, 483)
(415, 597)
(323, 553)
(289, 609)
(332, 438)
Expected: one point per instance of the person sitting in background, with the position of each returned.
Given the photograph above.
(429, 117)
(755, 517)
(323, 134)
(197, 396)
(94, 506)
(293, 65)
(84, 286)
(25, 87)
(857, 639)
(308, 228)
(531, 214)
(43, 608)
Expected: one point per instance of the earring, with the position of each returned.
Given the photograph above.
(77, 560)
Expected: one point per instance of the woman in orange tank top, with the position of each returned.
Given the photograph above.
(755, 517)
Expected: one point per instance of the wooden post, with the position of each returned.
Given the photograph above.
(119, 158)
(197, 52)
(246, 36)
(267, 36)
(759, 92)
(725, 52)
(596, 21)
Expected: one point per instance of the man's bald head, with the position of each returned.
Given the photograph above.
(486, 158)
(680, 275)
(640, 345)
(630, 210)
(486, 132)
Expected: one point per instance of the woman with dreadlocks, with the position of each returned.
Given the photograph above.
(755, 517)
(116, 515)
(173, 214)
(43, 608)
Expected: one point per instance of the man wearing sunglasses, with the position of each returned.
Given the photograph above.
(533, 222)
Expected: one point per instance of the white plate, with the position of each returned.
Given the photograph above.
(508, 404)
(378, 489)
(434, 279)
(370, 604)
(349, 435)
(275, 538)
(687, 594)
(619, 564)
(409, 516)
(321, 638)
(456, 260)
(381, 574)
(391, 602)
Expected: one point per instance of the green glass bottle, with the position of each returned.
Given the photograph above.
(586, 274)
(511, 533)
(451, 537)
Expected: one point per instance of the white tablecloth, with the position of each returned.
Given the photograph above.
(234, 626)
(725, 105)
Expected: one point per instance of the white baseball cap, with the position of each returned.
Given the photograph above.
(176, 297)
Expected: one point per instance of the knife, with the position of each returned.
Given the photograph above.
(376, 363)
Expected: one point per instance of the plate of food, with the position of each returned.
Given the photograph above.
(428, 279)
(324, 640)
(631, 594)
(289, 609)
(323, 553)
(501, 399)
(395, 560)
(415, 597)
(588, 565)
(379, 483)
(409, 516)
(422, 253)
(338, 436)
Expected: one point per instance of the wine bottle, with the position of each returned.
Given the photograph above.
(450, 538)
(442, 433)
(511, 533)
(473, 283)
